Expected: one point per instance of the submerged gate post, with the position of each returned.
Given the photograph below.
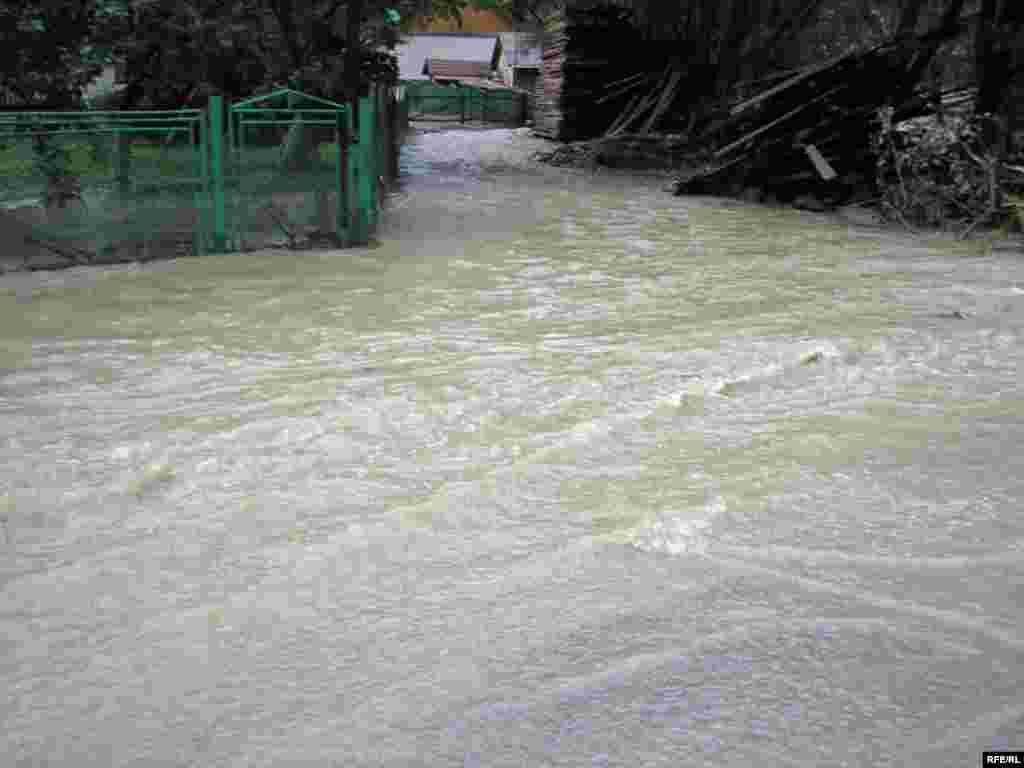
(343, 208)
(364, 172)
(216, 111)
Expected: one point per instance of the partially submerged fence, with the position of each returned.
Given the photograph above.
(285, 168)
(84, 184)
(462, 103)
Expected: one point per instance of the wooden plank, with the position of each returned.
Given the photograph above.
(808, 72)
(663, 103)
(764, 128)
(821, 165)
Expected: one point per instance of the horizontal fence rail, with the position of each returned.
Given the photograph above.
(429, 101)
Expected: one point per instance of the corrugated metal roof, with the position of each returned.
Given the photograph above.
(414, 51)
(455, 70)
(521, 49)
(483, 84)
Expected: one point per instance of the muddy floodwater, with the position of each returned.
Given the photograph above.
(566, 472)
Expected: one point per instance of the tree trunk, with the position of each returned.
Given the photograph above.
(994, 58)
(299, 144)
(63, 189)
(946, 30)
(354, 19)
(303, 140)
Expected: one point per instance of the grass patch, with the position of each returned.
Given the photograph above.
(96, 159)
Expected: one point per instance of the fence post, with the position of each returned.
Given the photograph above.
(122, 160)
(375, 178)
(343, 220)
(365, 179)
(393, 162)
(216, 110)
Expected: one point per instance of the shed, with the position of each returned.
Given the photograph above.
(520, 58)
(414, 52)
(443, 69)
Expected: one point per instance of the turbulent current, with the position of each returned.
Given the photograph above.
(565, 472)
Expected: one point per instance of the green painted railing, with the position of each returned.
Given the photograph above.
(100, 166)
(289, 187)
(430, 101)
(141, 181)
(362, 161)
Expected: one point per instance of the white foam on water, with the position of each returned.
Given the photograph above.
(644, 246)
(679, 533)
(791, 359)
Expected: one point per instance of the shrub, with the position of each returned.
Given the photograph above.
(943, 171)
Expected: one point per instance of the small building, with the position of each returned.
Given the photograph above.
(447, 75)
(444, 71)
(519, 62)
(479, 50)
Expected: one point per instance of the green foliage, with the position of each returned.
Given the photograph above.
(177, 52)
(1016, 205)
(14, 163)
(41, 49)
(52, 159)
(85, 159)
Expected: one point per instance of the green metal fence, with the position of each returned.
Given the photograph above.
(284, 168)
(430, 101)
(124, 185)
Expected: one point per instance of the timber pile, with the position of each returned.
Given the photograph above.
(581, 48)
(810, 136)
(547, 111)
(632, 151)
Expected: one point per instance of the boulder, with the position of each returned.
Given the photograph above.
(860, 215)
(809, 203)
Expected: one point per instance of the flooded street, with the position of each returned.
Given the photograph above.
(566, 472)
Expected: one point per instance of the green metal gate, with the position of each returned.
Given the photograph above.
(292, 172)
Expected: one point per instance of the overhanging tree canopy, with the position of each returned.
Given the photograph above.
(46, 55)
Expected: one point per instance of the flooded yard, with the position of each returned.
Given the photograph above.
(566, 472)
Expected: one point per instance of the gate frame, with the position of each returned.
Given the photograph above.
(349, 216)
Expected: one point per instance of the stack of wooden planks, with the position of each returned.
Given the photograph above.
(812, 133)
(582, 53)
